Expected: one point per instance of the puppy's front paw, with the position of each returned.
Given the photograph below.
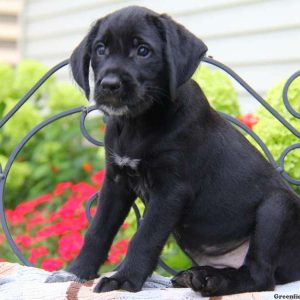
(117, 282)
(207, 280)
(63, 276)
(83, 271)
(181, 279)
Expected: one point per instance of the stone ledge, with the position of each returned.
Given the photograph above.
(26, 283)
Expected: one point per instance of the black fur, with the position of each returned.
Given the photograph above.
(199, 177)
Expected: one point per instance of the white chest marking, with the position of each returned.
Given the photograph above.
(124, 161)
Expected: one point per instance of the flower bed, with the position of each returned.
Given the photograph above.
(49, 229)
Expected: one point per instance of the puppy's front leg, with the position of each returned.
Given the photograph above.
(115, 202)
(162, 214)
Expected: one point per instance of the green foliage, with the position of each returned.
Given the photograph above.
(50, 156)
(218, 89)
(17, 175)
(273, 133)
(27, 73)
(64, 96)
(19, 125)
(7, 77)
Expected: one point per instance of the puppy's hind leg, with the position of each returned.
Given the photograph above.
(288, 269)
(257, 273)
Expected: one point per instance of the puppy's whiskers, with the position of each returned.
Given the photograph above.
(157, 91)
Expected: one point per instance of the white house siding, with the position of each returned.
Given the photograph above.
(260, 40)
(9, 30)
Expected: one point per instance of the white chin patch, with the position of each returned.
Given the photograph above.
(113, 111)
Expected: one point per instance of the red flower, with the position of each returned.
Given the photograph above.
(15, 217)
(68, 210)
(43, 199)
(23, 240)
(93, 210)
(114, 258)
(61, 187)
(124, 226)
(36, 239)
(83, 190)
(98, 177)
(52, 264)
(55, 169)
(2, 238)
(37, 252)
(69, 245)
(249, 120)
(102, 128)
(53, 230)
(36, 219)
(87, 167)
(117, 251)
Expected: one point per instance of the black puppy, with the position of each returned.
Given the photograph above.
(200, 179)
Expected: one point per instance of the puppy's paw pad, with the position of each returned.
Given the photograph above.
(107, 284)
(206, 280)
(181, 280)
(63, 276)
(209, 285)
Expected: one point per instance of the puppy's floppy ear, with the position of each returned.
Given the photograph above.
(80, 59)
(183, 52)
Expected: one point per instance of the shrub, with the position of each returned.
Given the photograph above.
(274, 134)
(50, 156)
(7, 77)
(26, 74)
(218, 89)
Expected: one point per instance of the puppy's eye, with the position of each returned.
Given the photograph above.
(100, 49)
(143, 51)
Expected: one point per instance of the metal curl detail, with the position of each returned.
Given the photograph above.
(8, 166)
(283, 155)
(32, 91)
(279, 168)
(253, 135)
(254, 94)
(88, 206)
(85, 112)
(285, 95)
(1, 173)
(97, 196)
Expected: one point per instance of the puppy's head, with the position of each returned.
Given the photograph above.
(137, 58)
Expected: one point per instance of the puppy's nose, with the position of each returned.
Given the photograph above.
(111, 82)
